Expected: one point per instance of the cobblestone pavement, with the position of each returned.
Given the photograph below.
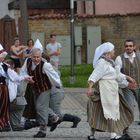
(74, 103)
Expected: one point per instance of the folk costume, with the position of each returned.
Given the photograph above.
(5, 73)
(44, 78)
(107, 110)
(130, 65)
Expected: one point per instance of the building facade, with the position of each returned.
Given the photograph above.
(95, 22)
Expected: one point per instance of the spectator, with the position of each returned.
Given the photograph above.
(28, 50)
(17, 54)
(53, 50)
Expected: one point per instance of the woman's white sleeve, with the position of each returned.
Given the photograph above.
(13, 76)
(98, 72)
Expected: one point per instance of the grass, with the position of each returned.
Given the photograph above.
(81, 75)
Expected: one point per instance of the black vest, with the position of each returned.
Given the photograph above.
(131, 69)
(2, 78)
(42, 82)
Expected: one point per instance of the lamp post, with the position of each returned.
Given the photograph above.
(72, 78)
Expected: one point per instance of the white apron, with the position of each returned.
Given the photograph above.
(110, 99)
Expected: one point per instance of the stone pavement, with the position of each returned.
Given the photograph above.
(74, 103)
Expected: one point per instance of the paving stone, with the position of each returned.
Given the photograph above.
(74, 103)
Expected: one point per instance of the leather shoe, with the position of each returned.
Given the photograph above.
(118, 138)
(40, 135)
(75, 122)
(5, 129)
(91, 138)
(127, 137)
(30, 124)
(17, 127)
(124, 137)
(54, 125)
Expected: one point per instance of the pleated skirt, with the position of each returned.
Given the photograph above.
(96, 119)
(4, 105)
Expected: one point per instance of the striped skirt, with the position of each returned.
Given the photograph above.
(96, 119)
(4, 106)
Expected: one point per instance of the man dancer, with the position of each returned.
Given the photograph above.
(44, 77)
(129, 64)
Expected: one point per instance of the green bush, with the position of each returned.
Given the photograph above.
(81, 75)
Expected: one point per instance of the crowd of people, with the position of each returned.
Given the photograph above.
(32, 103)
(31, 91)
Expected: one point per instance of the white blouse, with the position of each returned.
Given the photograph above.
(11, 74)
(105, 71)
(118, 60)
(48, 70)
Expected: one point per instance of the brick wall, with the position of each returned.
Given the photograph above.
(113, 28)
(49, 26)
(116, 29)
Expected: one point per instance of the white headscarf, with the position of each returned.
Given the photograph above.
(100, 50)
(38, 45)
(3, 53)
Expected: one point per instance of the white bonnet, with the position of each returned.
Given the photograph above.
(38, 45)
(100, 50)
(3, 53)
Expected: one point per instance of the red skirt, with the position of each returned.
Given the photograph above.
(4, 105)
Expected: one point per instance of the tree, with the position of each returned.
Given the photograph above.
(24, 20)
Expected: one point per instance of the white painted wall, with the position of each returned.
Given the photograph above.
(4, 9)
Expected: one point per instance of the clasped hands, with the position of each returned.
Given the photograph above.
(89, 91)
(29, 79)
(132, 84)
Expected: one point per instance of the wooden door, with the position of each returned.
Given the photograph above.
(7, 32)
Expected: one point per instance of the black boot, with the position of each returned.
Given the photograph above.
(6, 128)
(30, 124)
(54, 125)
(71, 118)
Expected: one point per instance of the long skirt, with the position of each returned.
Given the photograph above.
(29, 111)
(4, 106)
(97, 120)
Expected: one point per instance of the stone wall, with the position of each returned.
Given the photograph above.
(114, 28)
(51, 26)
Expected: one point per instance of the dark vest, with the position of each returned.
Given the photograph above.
(2, 78)
(42, 82)
(131, 69)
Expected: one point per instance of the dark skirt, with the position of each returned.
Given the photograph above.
(97, 120)
(4, 106)
(29, 111)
